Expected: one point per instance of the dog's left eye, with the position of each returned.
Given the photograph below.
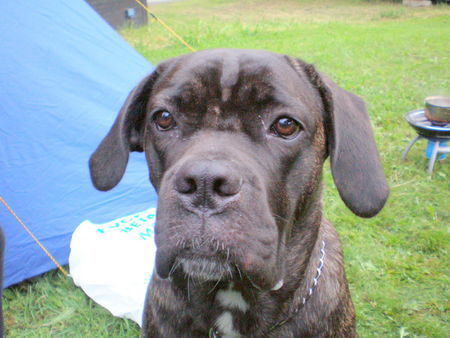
(164, 120)
(285, 127)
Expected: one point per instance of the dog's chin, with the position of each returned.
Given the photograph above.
(206, 269)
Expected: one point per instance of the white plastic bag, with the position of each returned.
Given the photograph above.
(113, 262)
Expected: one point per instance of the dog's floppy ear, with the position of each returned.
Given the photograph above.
(355, 163)
(109, 161)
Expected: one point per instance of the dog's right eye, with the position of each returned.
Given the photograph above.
(164, 120)
(285, 127)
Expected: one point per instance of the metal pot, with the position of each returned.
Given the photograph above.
(437, 109)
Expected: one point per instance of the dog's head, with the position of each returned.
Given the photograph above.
(235, 141)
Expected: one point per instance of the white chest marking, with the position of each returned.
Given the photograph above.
(224, 324)
(232, 299)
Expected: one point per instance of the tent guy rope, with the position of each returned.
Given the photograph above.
(165, 26)
(34, 237)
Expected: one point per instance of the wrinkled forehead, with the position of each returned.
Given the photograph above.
(229, 77)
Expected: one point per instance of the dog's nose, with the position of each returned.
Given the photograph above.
(207, 184)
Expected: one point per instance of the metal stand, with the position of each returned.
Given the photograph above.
(438, 148)
(408, 148)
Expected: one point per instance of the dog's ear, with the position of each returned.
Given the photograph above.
(355, 163)
(109, 161)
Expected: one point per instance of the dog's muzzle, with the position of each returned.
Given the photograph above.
(214, 223)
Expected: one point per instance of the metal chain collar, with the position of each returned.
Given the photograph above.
(214, 333)
(316, 278)
(309, 292)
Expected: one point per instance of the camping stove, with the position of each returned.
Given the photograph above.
(437, 134)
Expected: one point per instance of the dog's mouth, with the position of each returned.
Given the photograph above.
(206, 268)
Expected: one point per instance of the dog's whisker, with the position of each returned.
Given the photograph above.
(217, 246)
(179, 243)
(281, 217)
(230, 272)
(188, 289)
(174, 267)
(239, 272)
(215, 285)
(197, 243)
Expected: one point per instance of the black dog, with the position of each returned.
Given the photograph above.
(235, 141)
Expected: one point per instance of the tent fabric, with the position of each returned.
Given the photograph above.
(64, 73)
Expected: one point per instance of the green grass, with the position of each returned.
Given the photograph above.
(51, 305)
(393, 56)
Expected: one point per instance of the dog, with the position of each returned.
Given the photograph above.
(235, 142)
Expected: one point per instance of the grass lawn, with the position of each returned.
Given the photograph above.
(392, 56)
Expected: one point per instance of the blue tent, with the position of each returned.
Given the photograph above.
(64, 73)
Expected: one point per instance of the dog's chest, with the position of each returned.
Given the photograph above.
(232, 307)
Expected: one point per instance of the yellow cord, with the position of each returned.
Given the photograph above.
(165, 25)
(34, 237)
